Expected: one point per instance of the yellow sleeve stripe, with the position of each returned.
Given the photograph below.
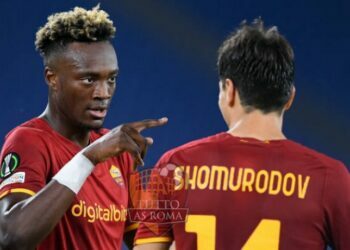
(17, 190)
(4, 193)
(22, 190)
(131, 227)
(153, 240)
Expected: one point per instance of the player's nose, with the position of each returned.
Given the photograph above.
(103, 90)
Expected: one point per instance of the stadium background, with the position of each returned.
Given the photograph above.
(167, 55)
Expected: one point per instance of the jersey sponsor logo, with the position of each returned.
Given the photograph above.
(18, 177)
(241, 179)
(116, 175)
(9, 163)
(97, 212)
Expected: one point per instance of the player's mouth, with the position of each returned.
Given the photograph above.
(98, 113)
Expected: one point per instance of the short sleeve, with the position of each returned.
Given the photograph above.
(154, 208)
(337, 206)
(24, 163)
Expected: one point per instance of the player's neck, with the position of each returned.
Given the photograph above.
(257, 125)
(77, 135)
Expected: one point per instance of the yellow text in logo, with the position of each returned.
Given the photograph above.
(96, 212)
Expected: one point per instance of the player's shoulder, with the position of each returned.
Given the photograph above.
(195, 146)
(315, 156)
(29, 130)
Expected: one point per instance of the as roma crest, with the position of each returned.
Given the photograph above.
(116, 175)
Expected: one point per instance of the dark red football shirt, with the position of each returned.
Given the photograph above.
(242, 193)
(33, 153)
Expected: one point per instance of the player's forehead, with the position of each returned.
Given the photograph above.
(94, 57)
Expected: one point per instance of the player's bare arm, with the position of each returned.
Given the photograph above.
(26, 220)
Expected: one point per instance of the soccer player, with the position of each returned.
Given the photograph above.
(64, 179)
(251, 187)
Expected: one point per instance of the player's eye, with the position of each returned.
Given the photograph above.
(87, 80)
(112, 80)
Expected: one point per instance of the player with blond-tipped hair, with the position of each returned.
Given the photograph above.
(64, 179)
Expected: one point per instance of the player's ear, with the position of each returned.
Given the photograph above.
(230, 92)
(50, 78)
(291, 99)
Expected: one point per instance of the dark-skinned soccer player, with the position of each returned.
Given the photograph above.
(64, 179)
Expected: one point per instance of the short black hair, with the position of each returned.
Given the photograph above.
(77, 25)
(260, 62)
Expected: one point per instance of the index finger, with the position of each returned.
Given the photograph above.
(148, 123)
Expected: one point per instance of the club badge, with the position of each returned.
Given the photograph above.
(116, 175)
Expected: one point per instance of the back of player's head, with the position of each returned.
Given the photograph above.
(260, 63)
(77, 25)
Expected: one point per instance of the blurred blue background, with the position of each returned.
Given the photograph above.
(167, 55)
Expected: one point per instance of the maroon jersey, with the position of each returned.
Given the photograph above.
(242, 193)
(33, 153)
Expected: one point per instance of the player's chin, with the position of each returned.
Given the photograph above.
(95, 124)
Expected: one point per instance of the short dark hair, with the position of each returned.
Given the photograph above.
(260, 62)
(77, 25)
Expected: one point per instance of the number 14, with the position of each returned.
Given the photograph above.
(265, 236)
